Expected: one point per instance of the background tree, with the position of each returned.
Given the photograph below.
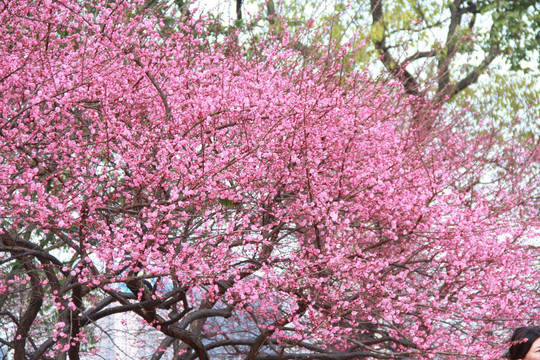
(453, 51)
(244, 202)
(452, 41)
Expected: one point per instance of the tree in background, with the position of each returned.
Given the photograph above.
(481, 53)
(244, 202)
(451, 41)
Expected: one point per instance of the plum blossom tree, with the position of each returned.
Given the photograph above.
(243, 202)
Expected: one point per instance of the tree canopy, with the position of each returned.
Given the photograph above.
(244, 202)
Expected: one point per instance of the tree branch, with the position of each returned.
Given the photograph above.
(419, 55)
(36, 300)
(161, 94)
(202, 314)
(17, 245)
(239, 9)
(406, 78)
(163, 346)
(450, 90)
(473, 76)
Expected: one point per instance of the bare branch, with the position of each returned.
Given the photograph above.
(472, 77)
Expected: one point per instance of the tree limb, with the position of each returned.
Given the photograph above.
(239, 9)
(406, 78)
(27, 319)
(168, 341)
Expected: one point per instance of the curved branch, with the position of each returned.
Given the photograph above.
(204, 313)
(146, 310)
(258, 343)
(15, 244)
(87, 318)
(36, 300)
(446, 89)
(419, 55)
(473, 76)
(39, 353)
(450, 45)
(265, 336)
(20, 251)
(406, 78)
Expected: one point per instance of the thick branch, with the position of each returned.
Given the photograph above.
(146, 310)
(419, 55)
(140, 306)
(450, 45)
(188, 338)
(473, 76)
(17, 245)
(406, 78)
(203, 314)
(239, 9)
(265, 335)
(258, 343)
(450, 90)
(271, 11)
(36, 300)
(20, 251)
(163, 346)
(74, 349)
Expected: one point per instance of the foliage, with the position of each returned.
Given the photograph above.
(243, 201)
(435, 48)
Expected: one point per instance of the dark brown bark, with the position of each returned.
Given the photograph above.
(74, 349)
(406, 78)
(34, 305)
(15, 246)
(239, 9)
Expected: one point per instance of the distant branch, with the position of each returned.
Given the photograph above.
(161, 94)
(472, 77)
(406, 78)
(450, 90)
(239, 9)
